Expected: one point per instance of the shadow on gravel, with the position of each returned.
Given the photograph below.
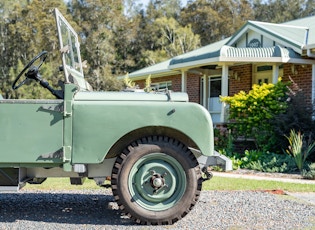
(60, 208)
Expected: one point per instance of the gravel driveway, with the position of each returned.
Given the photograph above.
(88, 209)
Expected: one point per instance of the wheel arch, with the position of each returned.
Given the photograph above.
(134, 135)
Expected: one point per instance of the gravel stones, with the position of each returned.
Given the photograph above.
(96, 209)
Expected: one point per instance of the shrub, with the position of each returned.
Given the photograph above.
(262, 161)
(272, 163)
(223, 139)
(309, 173)
(250, 113)
(298, 149)
(298, 116)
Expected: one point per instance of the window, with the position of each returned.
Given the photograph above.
(263, 73)
(161, 86)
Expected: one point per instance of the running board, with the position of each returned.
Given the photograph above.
(11, 179)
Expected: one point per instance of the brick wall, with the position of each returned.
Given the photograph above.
(244, 81)
(302, 75)
(193, 85)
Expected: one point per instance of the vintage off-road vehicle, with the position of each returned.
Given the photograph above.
(149, 145)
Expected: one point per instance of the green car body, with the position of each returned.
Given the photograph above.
(146, 143)
(96, 126)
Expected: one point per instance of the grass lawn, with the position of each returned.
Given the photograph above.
(216, 183)
(223, 183)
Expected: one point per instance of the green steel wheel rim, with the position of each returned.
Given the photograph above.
(157, 182)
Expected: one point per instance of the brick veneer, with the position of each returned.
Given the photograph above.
(302, 76)
(193, 85)
(244, 81)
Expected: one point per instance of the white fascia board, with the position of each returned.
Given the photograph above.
(154, 74)
(299, 61)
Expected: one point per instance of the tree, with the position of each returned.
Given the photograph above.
(268, 11)
(30, 28)
(163, 8)
(215, 20)
(100, 34)
(173, 40)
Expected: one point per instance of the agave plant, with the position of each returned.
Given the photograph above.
(298, 149)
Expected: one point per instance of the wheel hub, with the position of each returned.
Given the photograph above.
(157, 181)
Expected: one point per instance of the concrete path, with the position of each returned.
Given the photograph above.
(308, 197)
(258, 177)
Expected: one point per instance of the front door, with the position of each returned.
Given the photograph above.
(214, 104)
(263, 74)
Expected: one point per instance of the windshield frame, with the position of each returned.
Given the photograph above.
(70, 49)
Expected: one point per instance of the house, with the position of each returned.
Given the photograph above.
(258, 52)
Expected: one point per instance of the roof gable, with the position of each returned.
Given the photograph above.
(291, 36)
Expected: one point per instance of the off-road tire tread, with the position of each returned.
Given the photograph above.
(162, 141)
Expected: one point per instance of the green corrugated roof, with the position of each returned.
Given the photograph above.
(159, 69)
(308, 22)
(205, 52)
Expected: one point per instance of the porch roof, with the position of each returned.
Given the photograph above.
(157, 70)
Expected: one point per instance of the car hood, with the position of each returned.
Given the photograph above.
(130, 96)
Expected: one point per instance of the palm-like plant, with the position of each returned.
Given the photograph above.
(298, 149)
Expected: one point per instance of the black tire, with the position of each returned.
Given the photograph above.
(156, 180)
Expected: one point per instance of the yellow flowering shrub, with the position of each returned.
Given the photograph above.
(250, 113)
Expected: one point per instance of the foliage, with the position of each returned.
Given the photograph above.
(173, 40)
(298, 149)
(223, 139)
(273, 163)
(128, 83)
(262, 161)
(148, 81)
(250, 113)
(298, 116)
(290, 9)
(215, 20)
(309, 173)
